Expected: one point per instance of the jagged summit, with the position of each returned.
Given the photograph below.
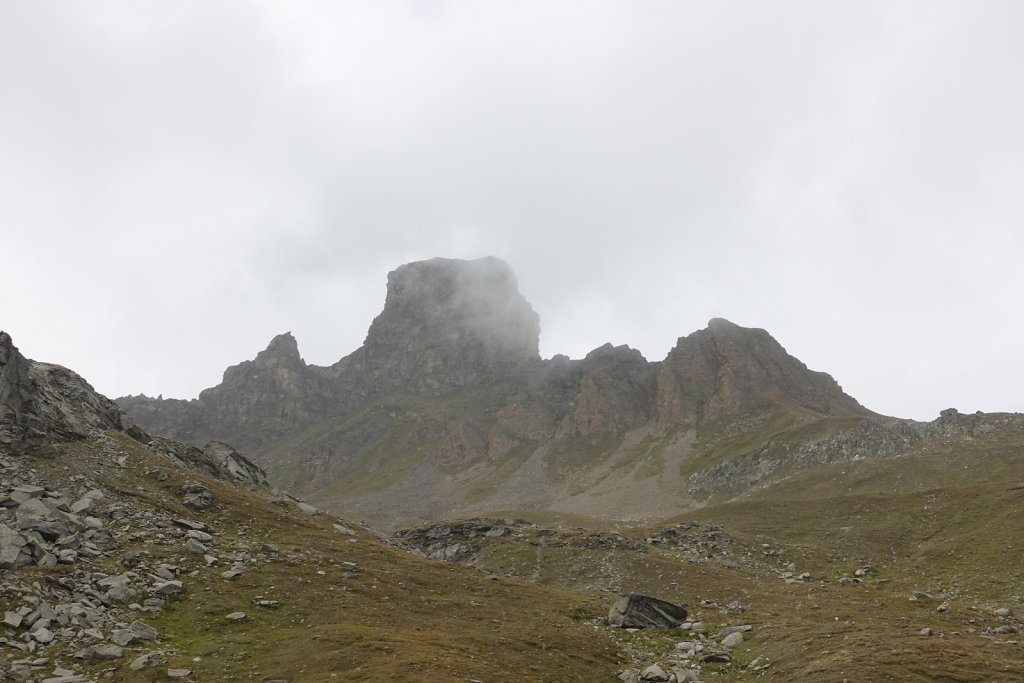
(448, 323)
(725, 369)
(283, 346)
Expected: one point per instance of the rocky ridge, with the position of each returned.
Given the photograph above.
(447, 407)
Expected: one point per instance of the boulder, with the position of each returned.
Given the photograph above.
(640, 611)
(13, 554)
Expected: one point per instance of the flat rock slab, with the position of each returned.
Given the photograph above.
(641, 611)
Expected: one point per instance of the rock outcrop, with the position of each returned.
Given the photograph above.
(726, 370)
(446, 324)
(641, 611)
(41, 402)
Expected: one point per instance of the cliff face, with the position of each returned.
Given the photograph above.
(448, 401)
(446, 324)
(726, 370)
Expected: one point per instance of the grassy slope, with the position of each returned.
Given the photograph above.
(947, 519)
(399, 618)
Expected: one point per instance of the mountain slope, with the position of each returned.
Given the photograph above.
(127, 558)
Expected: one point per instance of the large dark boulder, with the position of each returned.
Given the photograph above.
(640, 611)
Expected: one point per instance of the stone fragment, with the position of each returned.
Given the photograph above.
(654, 673)
(101, 652)
(13, 553)
(236, 616)
(43, 635)
(195, 547)
(733, 639)
(147, 661)
(88, 501)
(168, 588)
(197, 496)
(745, 628)
(179, 673)
(307, 508)
(686, 675)
(25, 492)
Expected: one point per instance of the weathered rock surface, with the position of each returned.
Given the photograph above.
(41, 402)
(641, 611)
(726, 370)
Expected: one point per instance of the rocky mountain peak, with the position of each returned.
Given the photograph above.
(726, 369)
(283, 346)
(449, 323)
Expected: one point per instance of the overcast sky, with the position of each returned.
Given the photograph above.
(180, 181)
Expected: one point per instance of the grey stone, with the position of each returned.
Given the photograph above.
(195, 547)
(147, 661)
(197, 496)
(733, 639)
(192, 524)
(168, 588)
(43, 635)
(25, 492)
(307, 508)
(654, 673)
(179, 673)
(13, 554)
(101, 652)
(686, 675)
(143, 631)
(88, 501)
(745, 628)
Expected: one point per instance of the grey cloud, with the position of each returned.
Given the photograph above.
(182, 181)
